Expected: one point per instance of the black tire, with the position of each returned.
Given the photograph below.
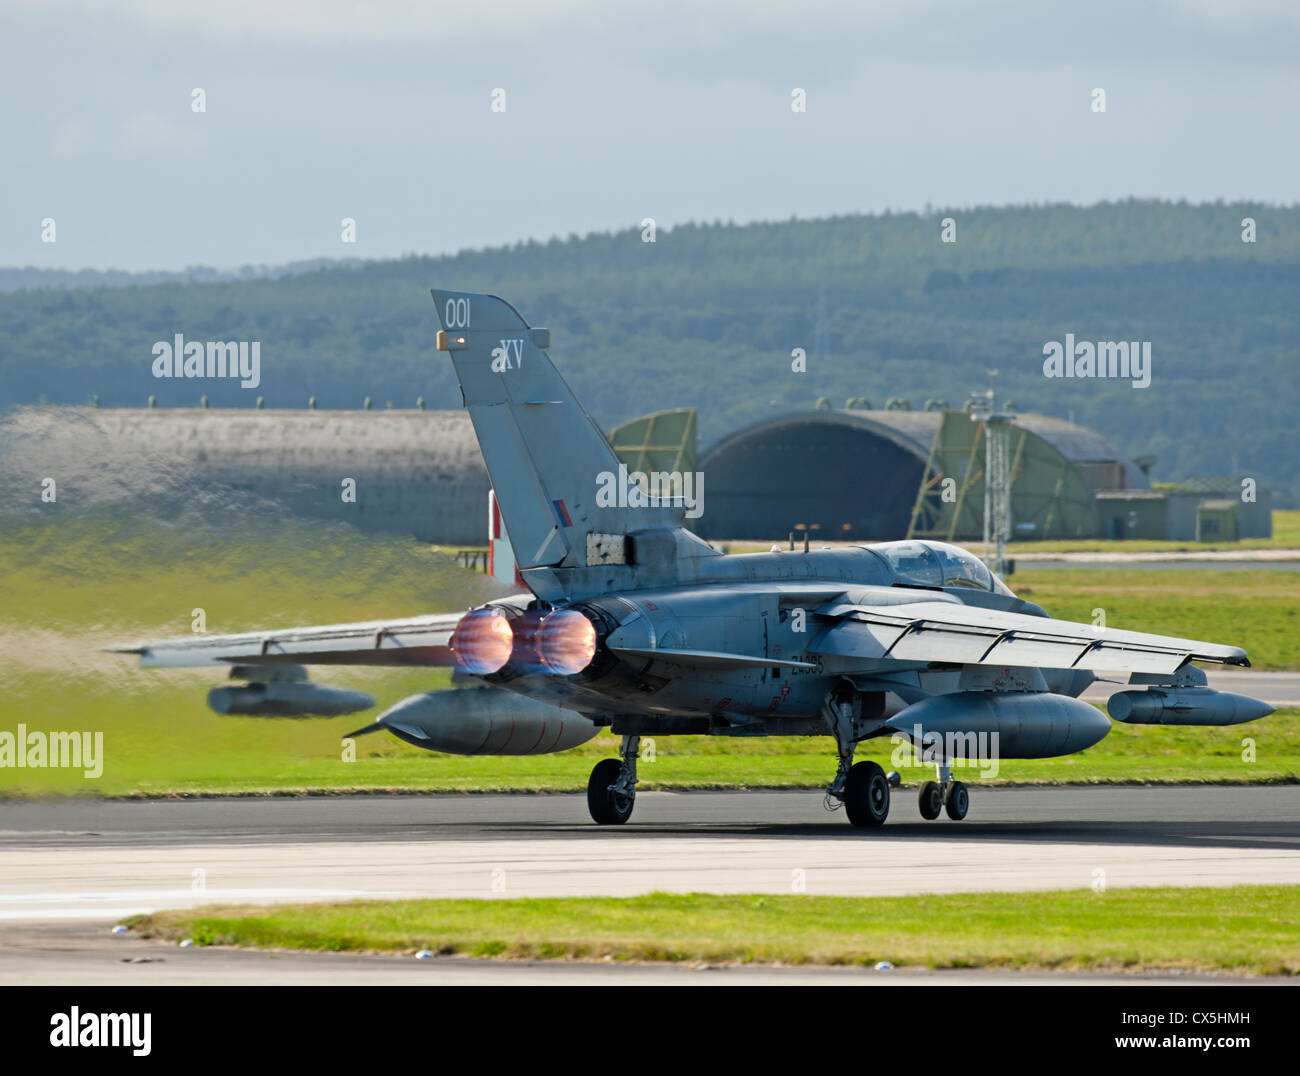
(930, 800)
(957, 801)
(866, 795)
(606, 808)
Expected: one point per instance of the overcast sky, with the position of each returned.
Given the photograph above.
(382, 112)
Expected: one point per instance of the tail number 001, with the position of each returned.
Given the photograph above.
(457, 314)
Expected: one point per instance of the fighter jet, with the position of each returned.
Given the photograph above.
(632, 622)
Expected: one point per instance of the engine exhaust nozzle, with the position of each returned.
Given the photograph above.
(482, 642)
(566, 642)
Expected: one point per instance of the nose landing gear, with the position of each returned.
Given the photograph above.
(956, 800)
(944, 794)
(930, 800)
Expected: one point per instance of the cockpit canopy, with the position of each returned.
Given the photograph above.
(937, 564)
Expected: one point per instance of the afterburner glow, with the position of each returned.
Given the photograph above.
(482, 641)
(566, 642)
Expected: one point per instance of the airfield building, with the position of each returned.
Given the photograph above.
(873, 475)
(854, 474)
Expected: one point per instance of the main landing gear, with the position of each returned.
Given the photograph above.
(862, 789)
(611, 788)
(944, 794)
(866, 795)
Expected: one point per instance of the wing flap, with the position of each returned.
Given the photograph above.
(968, 648)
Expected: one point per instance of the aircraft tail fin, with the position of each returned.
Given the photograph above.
(559, 485)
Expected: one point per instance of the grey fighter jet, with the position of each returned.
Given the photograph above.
(632, 622)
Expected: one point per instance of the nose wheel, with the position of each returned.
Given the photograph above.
(930, 800)
(945, 794)
(955, 801)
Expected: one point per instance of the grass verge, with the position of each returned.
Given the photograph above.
(1244, 930)
(1286, 535)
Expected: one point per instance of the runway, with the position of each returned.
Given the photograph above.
(69, 868)
(103, 859)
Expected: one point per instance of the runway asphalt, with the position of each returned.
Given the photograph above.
(69, 868)
(80, 859)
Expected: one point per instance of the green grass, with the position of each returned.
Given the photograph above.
(1246, 930)
(68, 589)
(161, 739)
(1286, 535)
(115, 579)
(1256, 610)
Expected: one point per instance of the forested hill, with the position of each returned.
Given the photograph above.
(708, 315)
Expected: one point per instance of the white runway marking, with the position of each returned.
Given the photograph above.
(50, 883)
(118, 903)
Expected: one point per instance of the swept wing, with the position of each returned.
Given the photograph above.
(972, 635)
(420, 640)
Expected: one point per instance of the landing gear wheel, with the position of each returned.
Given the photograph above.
(931, 800)
(607, 807)
(956, 801)
(866, 795)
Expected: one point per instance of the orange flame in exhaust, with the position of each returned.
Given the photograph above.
(482, 641)
(566, 642)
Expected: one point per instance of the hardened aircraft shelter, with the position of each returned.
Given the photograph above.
(874, 475)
